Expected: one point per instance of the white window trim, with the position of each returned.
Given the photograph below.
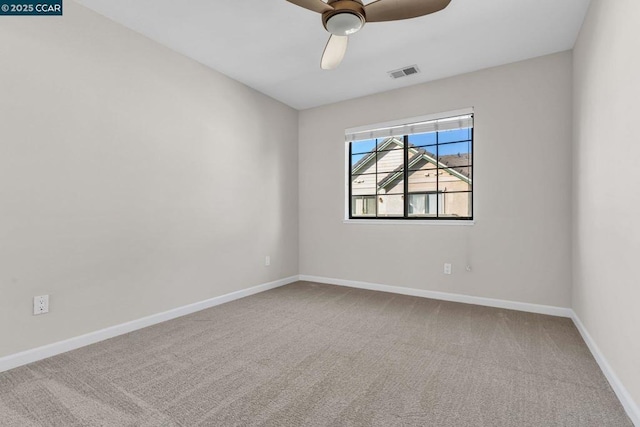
(402, 122)
(358, 221)
(462, 222)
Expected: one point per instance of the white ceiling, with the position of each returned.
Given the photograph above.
(275, 46)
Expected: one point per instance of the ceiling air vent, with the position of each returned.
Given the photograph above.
(403, 72)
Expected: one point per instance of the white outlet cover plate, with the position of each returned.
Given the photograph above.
(41, 304)
(447, 268)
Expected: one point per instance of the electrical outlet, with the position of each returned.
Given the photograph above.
(447, 268)
(41, 304)
(267, 261)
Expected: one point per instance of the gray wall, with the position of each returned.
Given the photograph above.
(520, 245)
(132, 180)
(606, 289)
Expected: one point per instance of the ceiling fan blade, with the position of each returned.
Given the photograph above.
(394, 10)
(314, 5)
(334, 52)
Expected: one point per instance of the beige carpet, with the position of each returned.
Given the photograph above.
(316, 355)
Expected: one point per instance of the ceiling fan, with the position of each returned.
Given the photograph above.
(342, 18)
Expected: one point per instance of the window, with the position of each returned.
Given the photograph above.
(419, 170)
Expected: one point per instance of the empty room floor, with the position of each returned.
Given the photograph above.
(309, 354)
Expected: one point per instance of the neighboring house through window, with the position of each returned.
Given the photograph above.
(419, 170)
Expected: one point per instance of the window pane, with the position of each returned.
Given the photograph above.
(454, 179)
(418, 204)
(422, 139)
(390, 183)
(420, 158)
(423, 180)
(390, 160)
(456, 154)
(359, 147)
(456, 205)
(363, 206)
(424, 205)
(363, 185)
(454, 135)
(363, 163)
(390, 205)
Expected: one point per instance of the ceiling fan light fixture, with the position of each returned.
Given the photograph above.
(344, 24)
(343, 18)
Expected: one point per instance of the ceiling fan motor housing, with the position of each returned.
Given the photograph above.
(347, 17)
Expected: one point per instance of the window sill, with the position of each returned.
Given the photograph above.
(461, 222)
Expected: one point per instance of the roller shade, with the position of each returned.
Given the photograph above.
(436, 125)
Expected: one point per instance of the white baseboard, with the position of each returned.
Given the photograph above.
(19, 359)
(633, 411)
(29, 356)
(444, 296)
